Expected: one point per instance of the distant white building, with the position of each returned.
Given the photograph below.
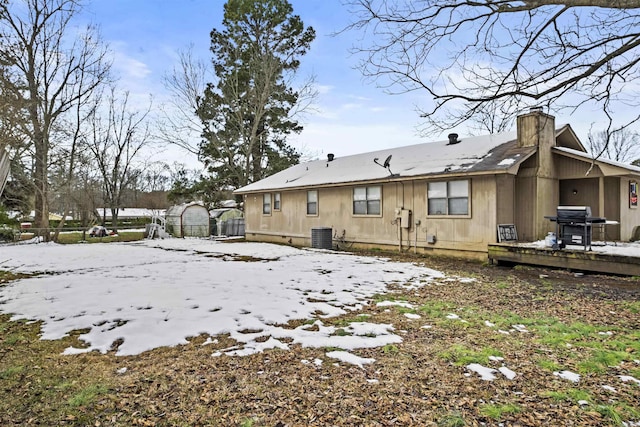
(131, 213)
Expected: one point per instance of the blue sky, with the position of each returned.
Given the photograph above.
(352, 115)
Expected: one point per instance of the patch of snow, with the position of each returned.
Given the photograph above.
(520, 328)
(508, 373)
(122, 371)
(496, 358)
(412, 316)
(609, 388)
(452, 316)
(485, 373)
(504, 332)
(345, 356)
(568, 375)
(373, 381)
(371, 329)
(507, 162)
(394, 304)
(609, 333)
(583, 402)
(628, 378)
(489, 324)
(426, 327)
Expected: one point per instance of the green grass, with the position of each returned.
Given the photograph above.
(87, 395)
(452, 420)
(496, 411)
(461, 356)
(619, 412)
(549, 365)
(14, 339)
(11, 372)
(342, 323)
(601, 360)
(503, 285)
(570, 395)
(632, 306)
(390, 349)
(436, 309)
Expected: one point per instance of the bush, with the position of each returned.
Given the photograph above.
(7, 234)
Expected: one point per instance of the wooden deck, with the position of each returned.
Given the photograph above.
(572, 259)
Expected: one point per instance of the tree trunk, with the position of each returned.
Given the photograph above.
(41, 217)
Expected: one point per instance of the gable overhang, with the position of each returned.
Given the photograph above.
(566, 137)
(606, 167)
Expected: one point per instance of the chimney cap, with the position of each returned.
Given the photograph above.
(330, 157)
(453, 138)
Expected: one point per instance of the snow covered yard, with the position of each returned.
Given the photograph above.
(196, 332)
(157, 293)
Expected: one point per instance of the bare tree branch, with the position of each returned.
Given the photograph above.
(464, 54)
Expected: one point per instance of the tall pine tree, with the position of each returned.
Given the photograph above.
(247, 112)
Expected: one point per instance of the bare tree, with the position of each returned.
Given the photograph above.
(117, 138)
(620, 145)
(57, 68)
(464, 54)
(179, 123)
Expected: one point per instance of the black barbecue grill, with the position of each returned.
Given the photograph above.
(574, 226)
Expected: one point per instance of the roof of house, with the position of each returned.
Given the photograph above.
(477, 154)
(498, 153)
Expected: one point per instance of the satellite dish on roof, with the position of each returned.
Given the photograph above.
(386, 163)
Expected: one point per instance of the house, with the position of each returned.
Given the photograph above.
(445, 197)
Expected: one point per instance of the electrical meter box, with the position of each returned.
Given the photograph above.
(405, 218)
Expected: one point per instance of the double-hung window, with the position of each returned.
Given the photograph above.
(312, 202)
(266, 203)
(276, 201)
(448, 198)
(366, 200)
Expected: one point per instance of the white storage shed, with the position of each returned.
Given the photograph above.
(188, 220)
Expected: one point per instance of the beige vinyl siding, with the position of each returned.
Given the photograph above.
(335, 210)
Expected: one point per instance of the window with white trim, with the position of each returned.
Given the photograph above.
(312, 202)
(448, 198)
(366, 200)
(266, 203)
(276, 201)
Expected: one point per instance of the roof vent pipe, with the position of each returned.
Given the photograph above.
(330, 157)
(453, 138)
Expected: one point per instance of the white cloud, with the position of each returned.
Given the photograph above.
(129, 67)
